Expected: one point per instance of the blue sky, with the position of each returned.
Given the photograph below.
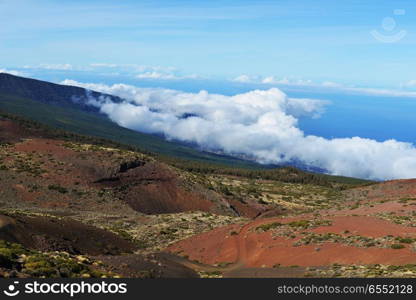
(310, 40)
(328, 83)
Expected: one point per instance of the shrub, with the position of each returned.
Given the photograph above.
(269, 226)
(397, 246)
(405, 240)
(300, 223)
(58, 188)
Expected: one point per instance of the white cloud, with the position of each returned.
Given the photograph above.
(111, 69)
(155, 75)
(286, 81)
(410, 83)
(272, 80)
(131, 67)
(262, 124)
(164, 76)
(65, 67)
(144, 72)
(243, 78)
(12, 72)
(331, 84)
(379, 92)
(369, 91)
(104, 65)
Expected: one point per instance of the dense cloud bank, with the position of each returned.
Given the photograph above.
(262, 124)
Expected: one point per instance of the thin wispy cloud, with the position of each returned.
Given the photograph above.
(339, 87)
(409, 84)
(244, 79)
(273, 80)
(13, 72)
(165, 76)
(130, 70)
(47, 66)
(300, 38)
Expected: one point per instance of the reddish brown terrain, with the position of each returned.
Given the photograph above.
(84, 199)
(57, 173)
(376, 228)
(120, 212)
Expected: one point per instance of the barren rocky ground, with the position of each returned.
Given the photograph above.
(93, 210)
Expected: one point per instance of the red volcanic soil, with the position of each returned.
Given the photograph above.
(11, 132)
(154, 188)
(366, 226)
(375, 208)
(215, 246)
(247, 247)
(145, 185)
(44, 146)
(329, 253)
(388, 190)
(43, 172)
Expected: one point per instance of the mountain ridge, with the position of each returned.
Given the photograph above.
(41, 101)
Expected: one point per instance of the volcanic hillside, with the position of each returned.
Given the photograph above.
(138, 203)
(65, 107)
(372, 233)
(79, 198)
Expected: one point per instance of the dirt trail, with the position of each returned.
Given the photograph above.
(239, 267)
(251, 253)
(242, 255)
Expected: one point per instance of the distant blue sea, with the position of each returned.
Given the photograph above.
(374, 117)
